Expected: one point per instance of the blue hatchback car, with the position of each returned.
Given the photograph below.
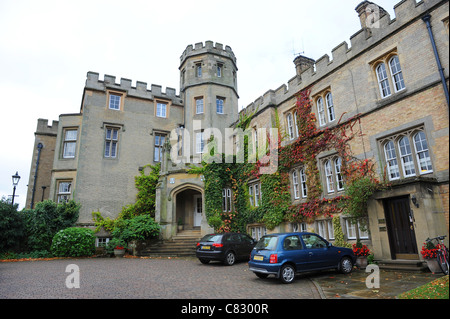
(286, 254)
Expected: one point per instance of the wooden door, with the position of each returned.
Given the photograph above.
(400, 226)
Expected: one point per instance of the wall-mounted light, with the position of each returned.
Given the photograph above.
(414, 201)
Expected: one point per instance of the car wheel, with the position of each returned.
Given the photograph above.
(261, 275)
(204, 261)
(230, 259)
(346, 265)
(287, 274)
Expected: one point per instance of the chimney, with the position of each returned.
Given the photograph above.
(369, 15)
(302, 63)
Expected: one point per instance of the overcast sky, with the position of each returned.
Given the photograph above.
(47, 47)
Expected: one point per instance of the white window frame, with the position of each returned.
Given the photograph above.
(421, 148)
(161, 110)
(321, 111)
(396, 74)
(383, 81)
(330, 107)
(114, 101)
(254, 191)
(329, 176)
(391, 161)
(406, 157)
(350, 228)
(199, 143)
(220, 102)
(290, 124)
(339, 178)
(199, 105)
(295, 182)
(70, 143)
(64, 191)
(330, 229)
(160, 139)
(304, 187)
(226, 200)
(111, 142)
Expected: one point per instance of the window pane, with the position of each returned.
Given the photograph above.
(199, 106)
(397, 75)
(71, 135)
(313, 241)
(219, 105)
(383, 80)
(290, 124)
(423, 156)
(321, 111)
(339, 179)
(391, 160)
(113, 149)
(296, 185)
(303, 183)
(329, 177)
(107, 148)
(69, 149)
(114, 102)
(406, 156)
(330, 107)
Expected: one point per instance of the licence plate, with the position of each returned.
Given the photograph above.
(206, 247)
(259, 258)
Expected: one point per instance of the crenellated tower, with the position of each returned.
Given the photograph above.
(208, 86)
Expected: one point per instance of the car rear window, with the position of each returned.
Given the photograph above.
(212, 238)
(267, 243)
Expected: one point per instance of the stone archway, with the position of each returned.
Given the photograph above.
(189, 208)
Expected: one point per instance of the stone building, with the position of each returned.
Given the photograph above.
(388, 76)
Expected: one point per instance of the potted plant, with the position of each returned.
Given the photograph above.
(361, 252)
(117, 247)
(180, 224)
(429, 253)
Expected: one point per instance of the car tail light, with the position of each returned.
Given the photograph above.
(217, 245)
(198, 244)
(273, 259)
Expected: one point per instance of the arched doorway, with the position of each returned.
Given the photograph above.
(189, 208)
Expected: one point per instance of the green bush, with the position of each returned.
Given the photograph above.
(11, 226)
(45, 220)
(141, 227)
(73, 242)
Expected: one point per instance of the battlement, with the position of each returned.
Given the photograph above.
(208, 47)
(376, 24)
(43, 128)
(139, 91)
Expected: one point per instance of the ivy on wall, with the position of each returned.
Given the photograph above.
(276, 204)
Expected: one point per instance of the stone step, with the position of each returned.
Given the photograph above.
(402, 264)
(181, 245)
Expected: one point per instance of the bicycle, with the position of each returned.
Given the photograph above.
(441, 253)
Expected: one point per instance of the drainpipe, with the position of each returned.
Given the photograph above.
(39, 147)
(426, 18)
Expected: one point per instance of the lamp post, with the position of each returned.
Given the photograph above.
(15, 181)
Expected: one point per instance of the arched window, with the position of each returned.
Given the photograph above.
(303, 183)
(422, 153)
(339, 179)
(329, 176)
(290, 123)
(391, 160)
(406, 157)
(383, 81)
(396, 72)
(330, 107)
(296, 185)
(321, 111)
